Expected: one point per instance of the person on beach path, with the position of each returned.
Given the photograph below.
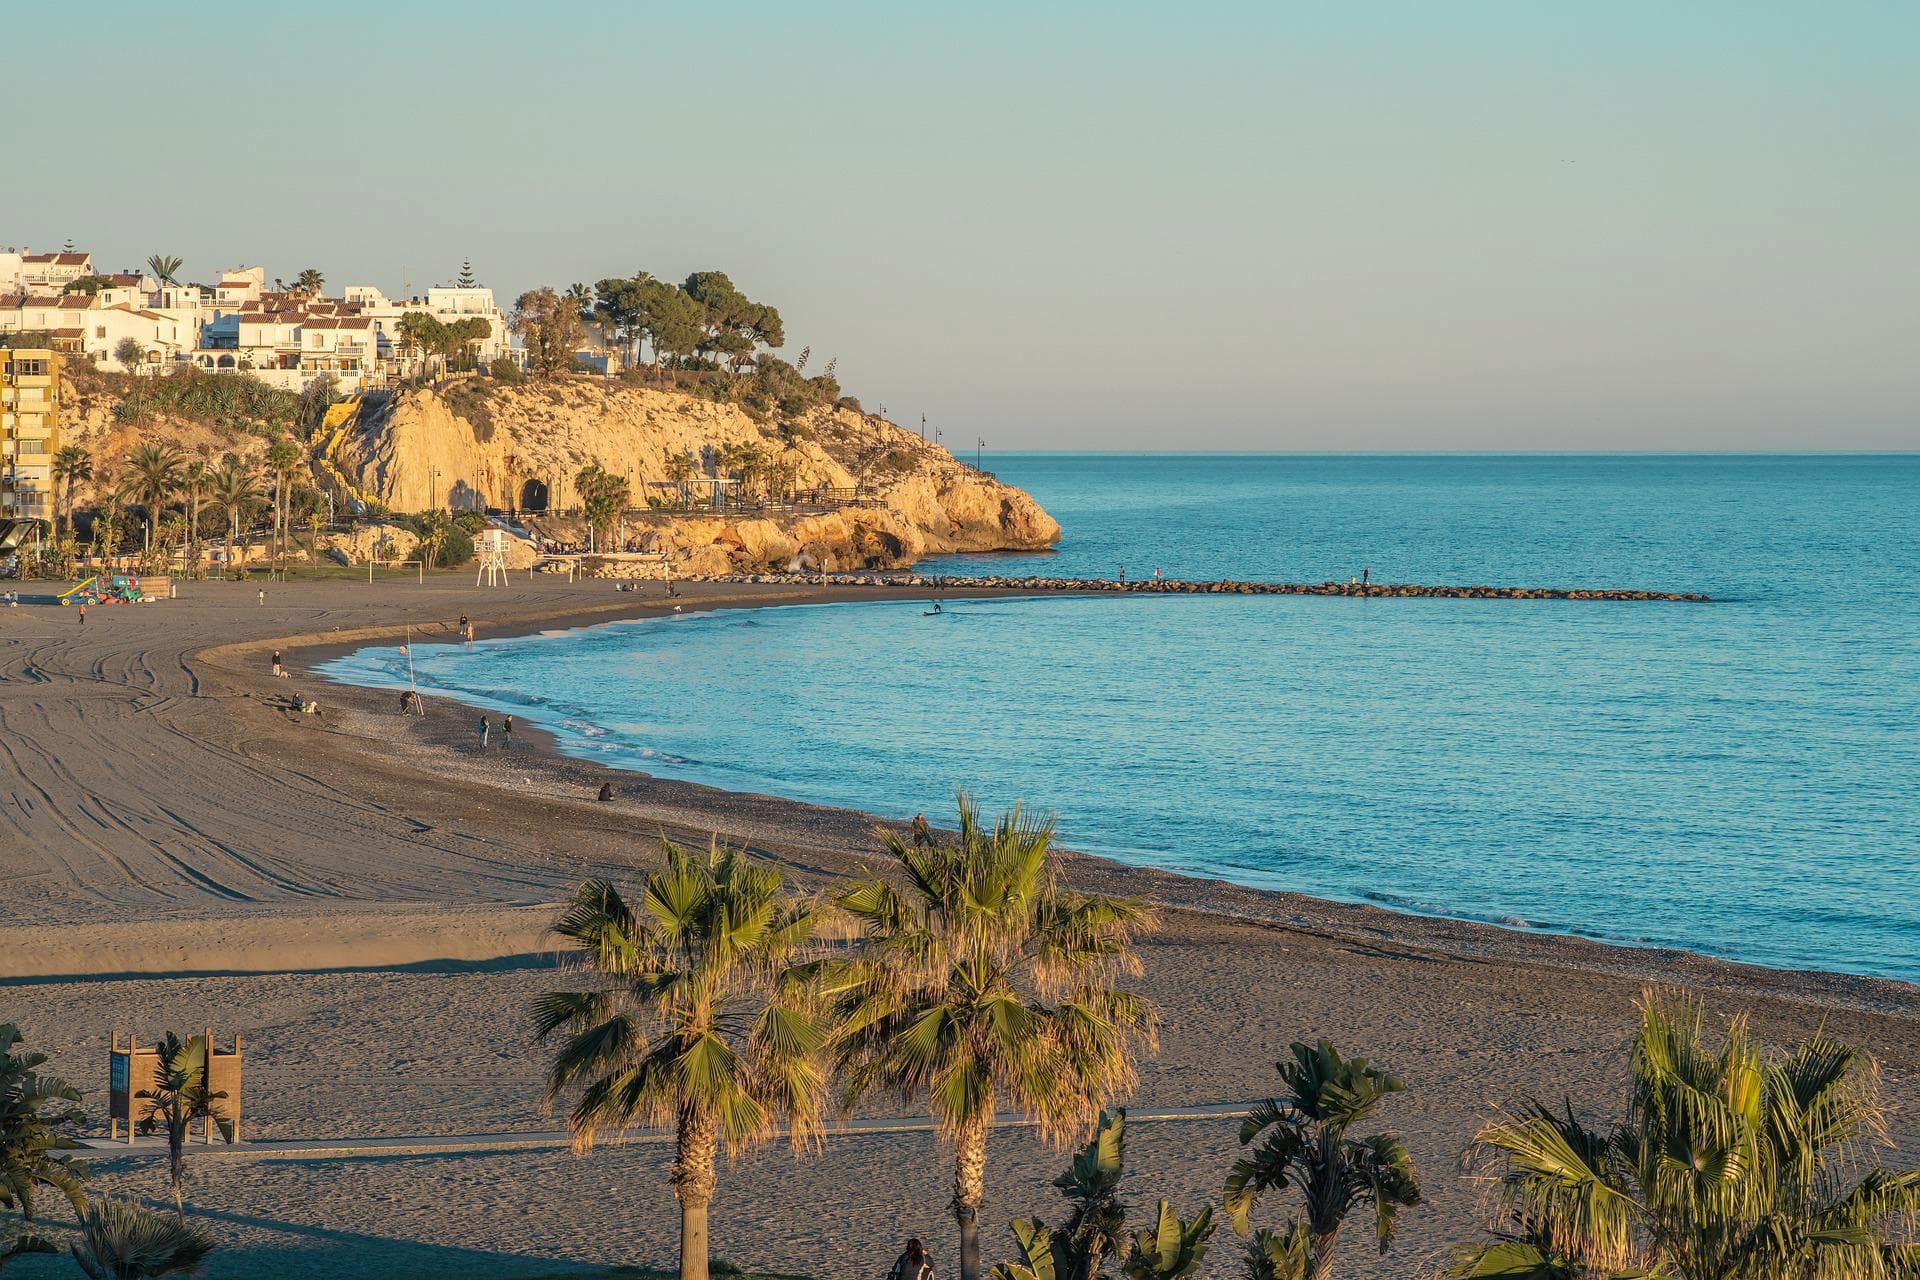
(914, 1264)
(263, 597)
(277, 672)
(483, 735)
(506, 734)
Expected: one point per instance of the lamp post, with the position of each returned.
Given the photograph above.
(979, 443)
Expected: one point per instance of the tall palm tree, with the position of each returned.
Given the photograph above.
(71, 464)
(1307, 1146)
(700, 1019)
(165, 267)
(195, 478)
(181, 1094)
(1733, 1163)
(310, 281)
(232, 491)
(121, 1241)
(981, 983)
(153, 476)
(107, 517)
(37, 1116)
(283, 457)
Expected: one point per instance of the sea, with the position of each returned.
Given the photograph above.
(1739, 778)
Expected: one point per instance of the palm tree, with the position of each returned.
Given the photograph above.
(71, 464)
(283, 456)
(232, 491)
(1307, 1146)
(1096, 1230)
(165, 267)
(121, 1241)
(37, 1113)
(435, 527)
(107, 515)
(603, 496)
(195, 477)
(982, 983)
(153, 476)
(1734, 1163)
(310, 281)
(701, 1020)
(180, 1095)
(681, 468)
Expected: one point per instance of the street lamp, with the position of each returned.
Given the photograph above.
(979, 444)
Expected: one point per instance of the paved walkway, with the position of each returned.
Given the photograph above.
(451, 1144)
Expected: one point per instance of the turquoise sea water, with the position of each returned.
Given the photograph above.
(1741, 778)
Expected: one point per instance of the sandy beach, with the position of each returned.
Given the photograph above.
(364, 899)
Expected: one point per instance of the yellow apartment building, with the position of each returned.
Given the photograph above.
(29, 432)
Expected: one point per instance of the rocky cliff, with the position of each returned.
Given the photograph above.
(482, 443)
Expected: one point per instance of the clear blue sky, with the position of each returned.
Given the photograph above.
(1313, 226)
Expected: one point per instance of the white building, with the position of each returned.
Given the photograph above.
(445, 303)
(54, 271)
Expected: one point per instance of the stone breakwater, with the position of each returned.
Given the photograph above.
(1177, 587)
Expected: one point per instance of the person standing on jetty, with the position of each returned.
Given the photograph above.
(483, 735)
(1365, 574)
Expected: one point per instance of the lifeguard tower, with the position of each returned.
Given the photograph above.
(493, 558)
(132, 1069)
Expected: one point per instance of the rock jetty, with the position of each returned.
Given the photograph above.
(1226, 587)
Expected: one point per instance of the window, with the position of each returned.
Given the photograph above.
(99, 331)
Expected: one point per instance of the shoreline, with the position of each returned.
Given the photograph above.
(1455, 936)
(367, 902)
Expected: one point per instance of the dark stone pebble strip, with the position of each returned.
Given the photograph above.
(1383, 590)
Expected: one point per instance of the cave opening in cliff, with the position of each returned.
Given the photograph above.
(533, 496)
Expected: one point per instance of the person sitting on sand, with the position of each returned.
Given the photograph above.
(913, 1264)
(606, 792)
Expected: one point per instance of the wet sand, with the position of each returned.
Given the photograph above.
(364, 898)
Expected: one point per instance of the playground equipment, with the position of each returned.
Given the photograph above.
(119, 588)
(132, 1069)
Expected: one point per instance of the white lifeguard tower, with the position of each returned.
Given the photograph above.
(493, 558)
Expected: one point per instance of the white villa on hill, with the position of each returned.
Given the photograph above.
(284, 337)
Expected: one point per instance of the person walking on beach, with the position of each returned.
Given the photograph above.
(83, 615)
(277, 672)
(914, 1264)
(483, 735)
(506, 734)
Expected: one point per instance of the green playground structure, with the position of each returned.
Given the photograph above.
(120, 589)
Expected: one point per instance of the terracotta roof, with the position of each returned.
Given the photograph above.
(76, 301)
(338, 322)
(58, 259)
(121, 279)
(13, 301)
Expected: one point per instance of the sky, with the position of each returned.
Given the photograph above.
(1484, 225)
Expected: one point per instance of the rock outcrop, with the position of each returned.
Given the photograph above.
(482, 443)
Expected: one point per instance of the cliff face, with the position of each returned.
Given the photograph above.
(520, 447)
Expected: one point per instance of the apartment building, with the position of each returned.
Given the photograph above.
(29, 431)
